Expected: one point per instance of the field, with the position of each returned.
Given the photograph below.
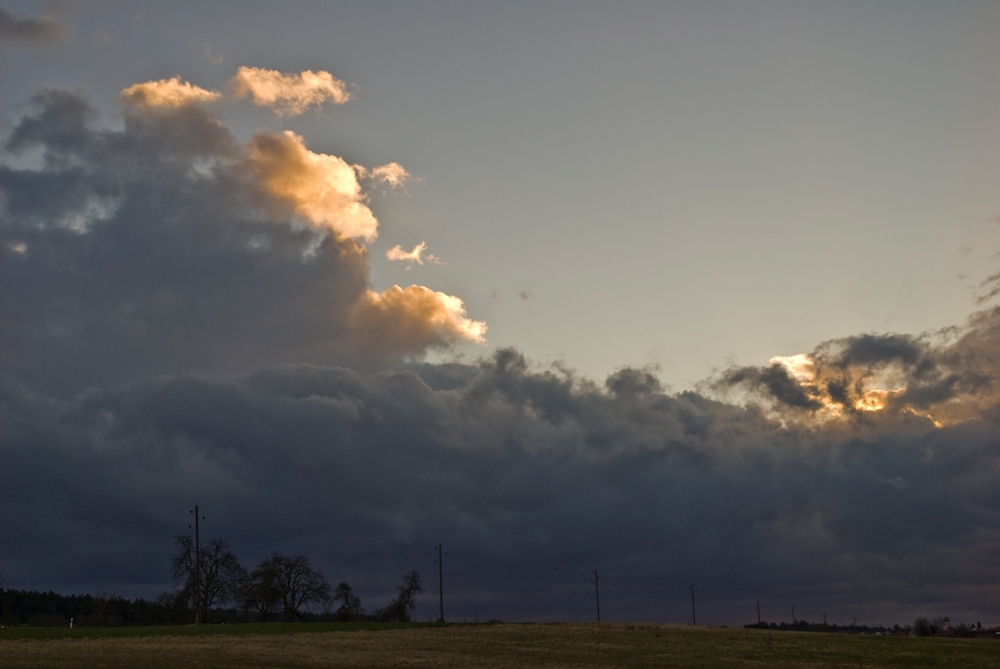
(520, 645)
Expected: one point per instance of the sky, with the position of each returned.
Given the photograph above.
(691, 293)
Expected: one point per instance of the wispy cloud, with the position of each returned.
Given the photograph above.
(172, 92)
(416, 256)
(289, 94)
(392, 174)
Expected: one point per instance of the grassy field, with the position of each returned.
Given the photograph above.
(563, 645)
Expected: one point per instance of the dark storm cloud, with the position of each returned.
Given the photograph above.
(531, 476)
(163, 246)
(32, 32)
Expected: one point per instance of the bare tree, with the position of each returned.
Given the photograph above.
(210, 581)
(399, 608)
(350, 604)
(258, 591)
(293, 583)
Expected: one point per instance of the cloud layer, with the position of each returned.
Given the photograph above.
(531, 476)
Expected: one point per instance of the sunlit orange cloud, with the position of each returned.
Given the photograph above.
(321, 188)
(171, 92)
(411, 319)
(397, 253)
(288, 94)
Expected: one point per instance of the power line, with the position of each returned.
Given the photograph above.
(119, 521)
(16, 499)
(133, 509)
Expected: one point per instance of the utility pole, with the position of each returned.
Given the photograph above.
(694, 619)
(597, 591)
(440, 562)
(197, 568)
(793, 615)
(758, 613)
(824, 619)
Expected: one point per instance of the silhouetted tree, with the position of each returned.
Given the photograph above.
(258, 591)
(350, 604)
(399, 608)
(290, 582)
(213, 581)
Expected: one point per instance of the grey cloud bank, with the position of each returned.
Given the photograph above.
(532, 476)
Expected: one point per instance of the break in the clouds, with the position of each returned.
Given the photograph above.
(289, 94)
(160, 243)
(941, 377)
(30, 31)
(416, 256)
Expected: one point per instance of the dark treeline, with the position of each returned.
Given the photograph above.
(212, 586)
(920, 627)
(49, 609)
(32, 608)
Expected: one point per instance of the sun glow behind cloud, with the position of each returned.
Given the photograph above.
(803, 369)
(867, 375)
